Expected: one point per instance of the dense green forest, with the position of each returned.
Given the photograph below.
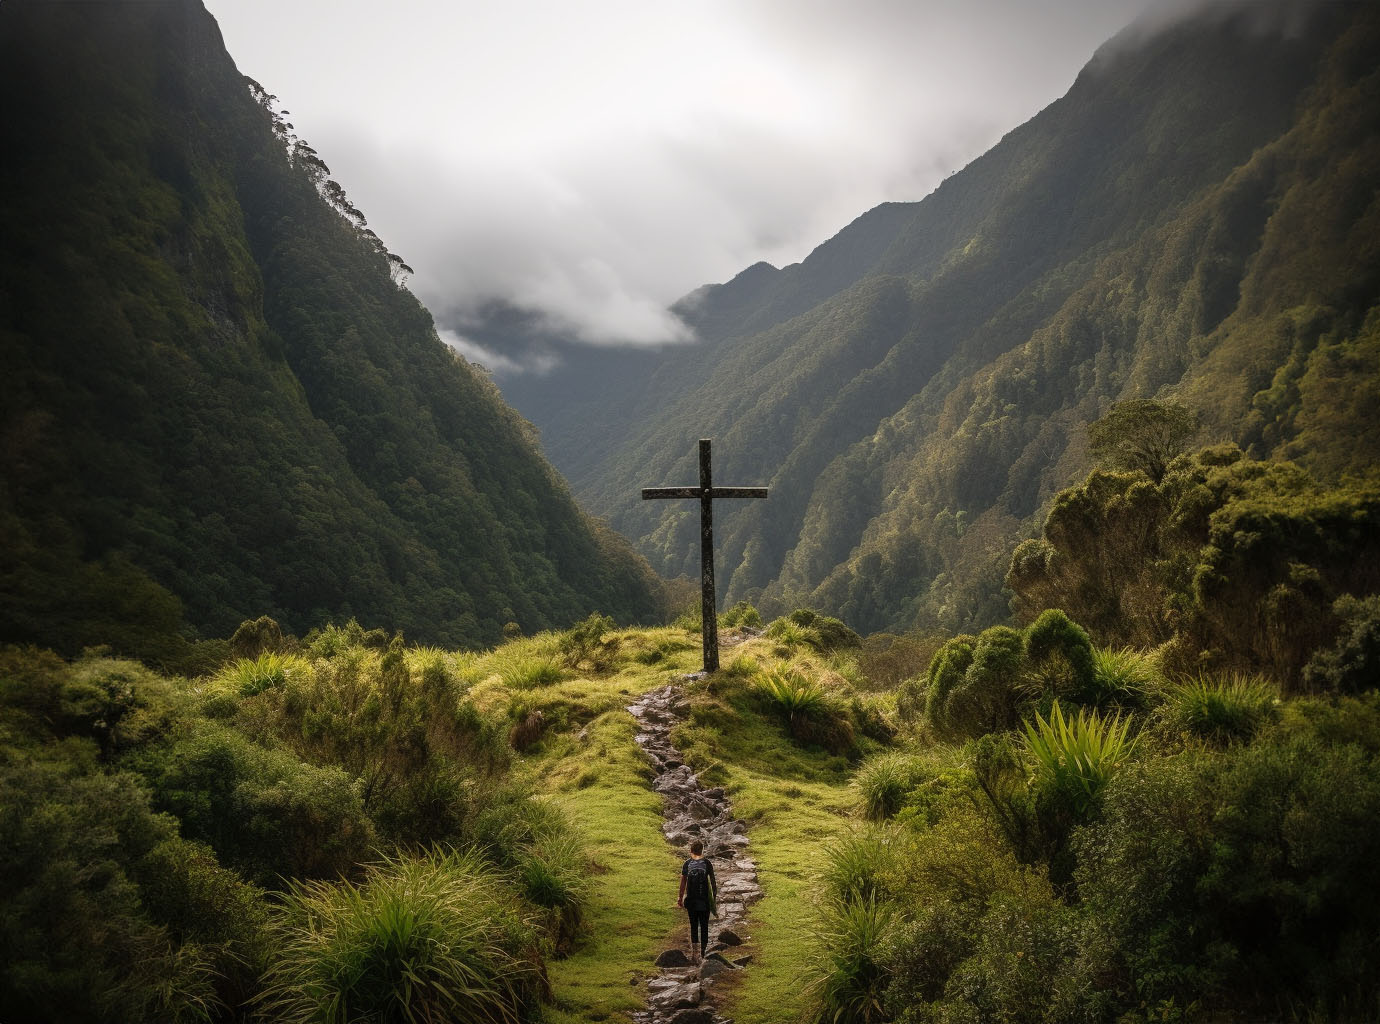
(219, 400)
(1195, 220)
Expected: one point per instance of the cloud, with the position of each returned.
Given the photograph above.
(585, 166)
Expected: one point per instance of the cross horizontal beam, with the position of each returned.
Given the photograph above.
(696, 492)
(706, 492)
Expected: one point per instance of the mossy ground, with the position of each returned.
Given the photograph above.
(587, 761)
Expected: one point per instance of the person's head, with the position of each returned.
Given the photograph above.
(696, 848)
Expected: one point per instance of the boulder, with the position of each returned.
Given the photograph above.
(673, 958)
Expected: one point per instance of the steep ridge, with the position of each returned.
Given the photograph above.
(219, 402)
(918, 388)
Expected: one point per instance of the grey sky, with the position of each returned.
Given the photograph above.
(592, 162)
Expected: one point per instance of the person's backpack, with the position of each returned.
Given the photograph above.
(697, 882)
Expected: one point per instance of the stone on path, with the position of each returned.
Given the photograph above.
(729, 937)
(673, 958)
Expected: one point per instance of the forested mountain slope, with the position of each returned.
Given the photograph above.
(218, 402)
(1195, 219)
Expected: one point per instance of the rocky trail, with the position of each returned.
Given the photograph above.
(683, 992)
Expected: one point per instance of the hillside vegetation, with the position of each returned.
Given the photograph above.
(218, 400)
(1051, 823)
(1196, 220)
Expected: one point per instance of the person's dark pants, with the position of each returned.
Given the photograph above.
(699, 926)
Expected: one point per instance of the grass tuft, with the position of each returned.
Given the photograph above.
(1222, 709)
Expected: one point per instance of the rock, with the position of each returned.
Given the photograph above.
(729, 937)
(696, 1016)
(743, 961)
(673, 958)
(681, 997)
(719, 958)
(712, 967)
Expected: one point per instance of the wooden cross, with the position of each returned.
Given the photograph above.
(706, 492)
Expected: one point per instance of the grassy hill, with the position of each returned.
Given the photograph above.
(218, 397)
(1195, 220)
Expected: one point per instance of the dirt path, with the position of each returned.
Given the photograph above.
(682, 993)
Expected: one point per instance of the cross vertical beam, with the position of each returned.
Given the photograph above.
(706, 492)
(709, 616)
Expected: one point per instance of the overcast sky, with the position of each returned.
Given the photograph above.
(591, 162)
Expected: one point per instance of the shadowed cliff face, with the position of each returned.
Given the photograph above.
(218, 403)
(1195, 219)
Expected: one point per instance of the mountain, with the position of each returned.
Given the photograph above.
(1195, 220)
(219, 401)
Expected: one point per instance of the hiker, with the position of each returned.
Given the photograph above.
(698, 894)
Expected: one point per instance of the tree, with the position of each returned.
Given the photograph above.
(1141, 434)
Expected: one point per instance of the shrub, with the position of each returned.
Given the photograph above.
(433, 938)
(263, 811)
(586, 644)
(257, 636)
(741, 614)
(1352, 664)
(744, 666)
(1075, 757)
(77, 941)
(846, 978)
(1222, 709)
(883, 782)
(1059, 657)
(975, 685)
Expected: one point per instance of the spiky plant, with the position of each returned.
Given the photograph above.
(790, 693)
(1075, 757)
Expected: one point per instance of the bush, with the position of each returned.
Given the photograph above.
(1352, 664)
(263, 811)
(1059, 657)
(741, 614)
(975, 685)
(585, 644)
(77, 940)
(537, 842)
(258, 636)
(1222, 709)
(433, 938)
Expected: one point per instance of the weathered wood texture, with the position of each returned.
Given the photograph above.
(706, 492)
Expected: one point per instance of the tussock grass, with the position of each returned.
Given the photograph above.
(846, 980)
(883, 782)
(1124, 677)
(431, 938)
(249, 677)
(1223, 709)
